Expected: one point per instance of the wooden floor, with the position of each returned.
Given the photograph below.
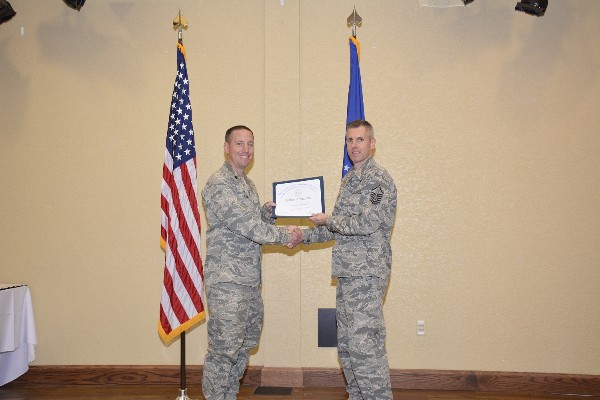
(151, 392)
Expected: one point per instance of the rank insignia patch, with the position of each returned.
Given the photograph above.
(376, 195)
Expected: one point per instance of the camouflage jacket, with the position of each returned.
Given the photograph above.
(237, 228)
(361, 223)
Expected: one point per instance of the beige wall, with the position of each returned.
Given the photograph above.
(486, 118)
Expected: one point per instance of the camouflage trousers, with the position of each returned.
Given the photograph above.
(234, 325)
(361, 337)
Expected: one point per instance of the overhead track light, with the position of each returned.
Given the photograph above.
(6, 11)
(75, 4)
(532, 7)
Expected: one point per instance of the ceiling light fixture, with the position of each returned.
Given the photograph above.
(6, 11)
(75, 4)
(532, 7)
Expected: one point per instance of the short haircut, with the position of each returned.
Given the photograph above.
(361, 122)
(236, 128)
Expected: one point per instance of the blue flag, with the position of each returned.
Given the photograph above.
(356, 108)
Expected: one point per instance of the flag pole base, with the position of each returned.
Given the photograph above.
(183, 395)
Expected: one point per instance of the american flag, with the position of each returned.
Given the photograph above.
(356, 108)
(181, 304)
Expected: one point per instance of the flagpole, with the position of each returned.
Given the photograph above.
(182, 387)
(179, 24)
(355, 108)
(354, 20)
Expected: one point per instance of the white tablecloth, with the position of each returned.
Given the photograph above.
(17, 332)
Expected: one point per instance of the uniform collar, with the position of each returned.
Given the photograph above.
(231, 171)
(359, 173)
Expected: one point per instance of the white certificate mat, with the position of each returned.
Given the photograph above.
(298, 198)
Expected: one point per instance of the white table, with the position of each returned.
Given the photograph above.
(17, 332)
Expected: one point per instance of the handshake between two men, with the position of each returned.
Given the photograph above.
(297, 234)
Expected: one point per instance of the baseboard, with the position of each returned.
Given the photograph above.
(479, 381)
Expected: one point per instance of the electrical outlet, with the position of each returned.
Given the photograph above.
(420, 327)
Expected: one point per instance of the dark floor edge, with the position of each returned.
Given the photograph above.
(480, 381)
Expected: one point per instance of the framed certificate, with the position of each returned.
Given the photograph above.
(298, 198)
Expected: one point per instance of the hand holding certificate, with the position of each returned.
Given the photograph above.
(299, 198)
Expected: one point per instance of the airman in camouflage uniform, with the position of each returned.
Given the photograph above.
(237, 228)
(361, 225)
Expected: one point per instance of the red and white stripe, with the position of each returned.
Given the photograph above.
(181, 302)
